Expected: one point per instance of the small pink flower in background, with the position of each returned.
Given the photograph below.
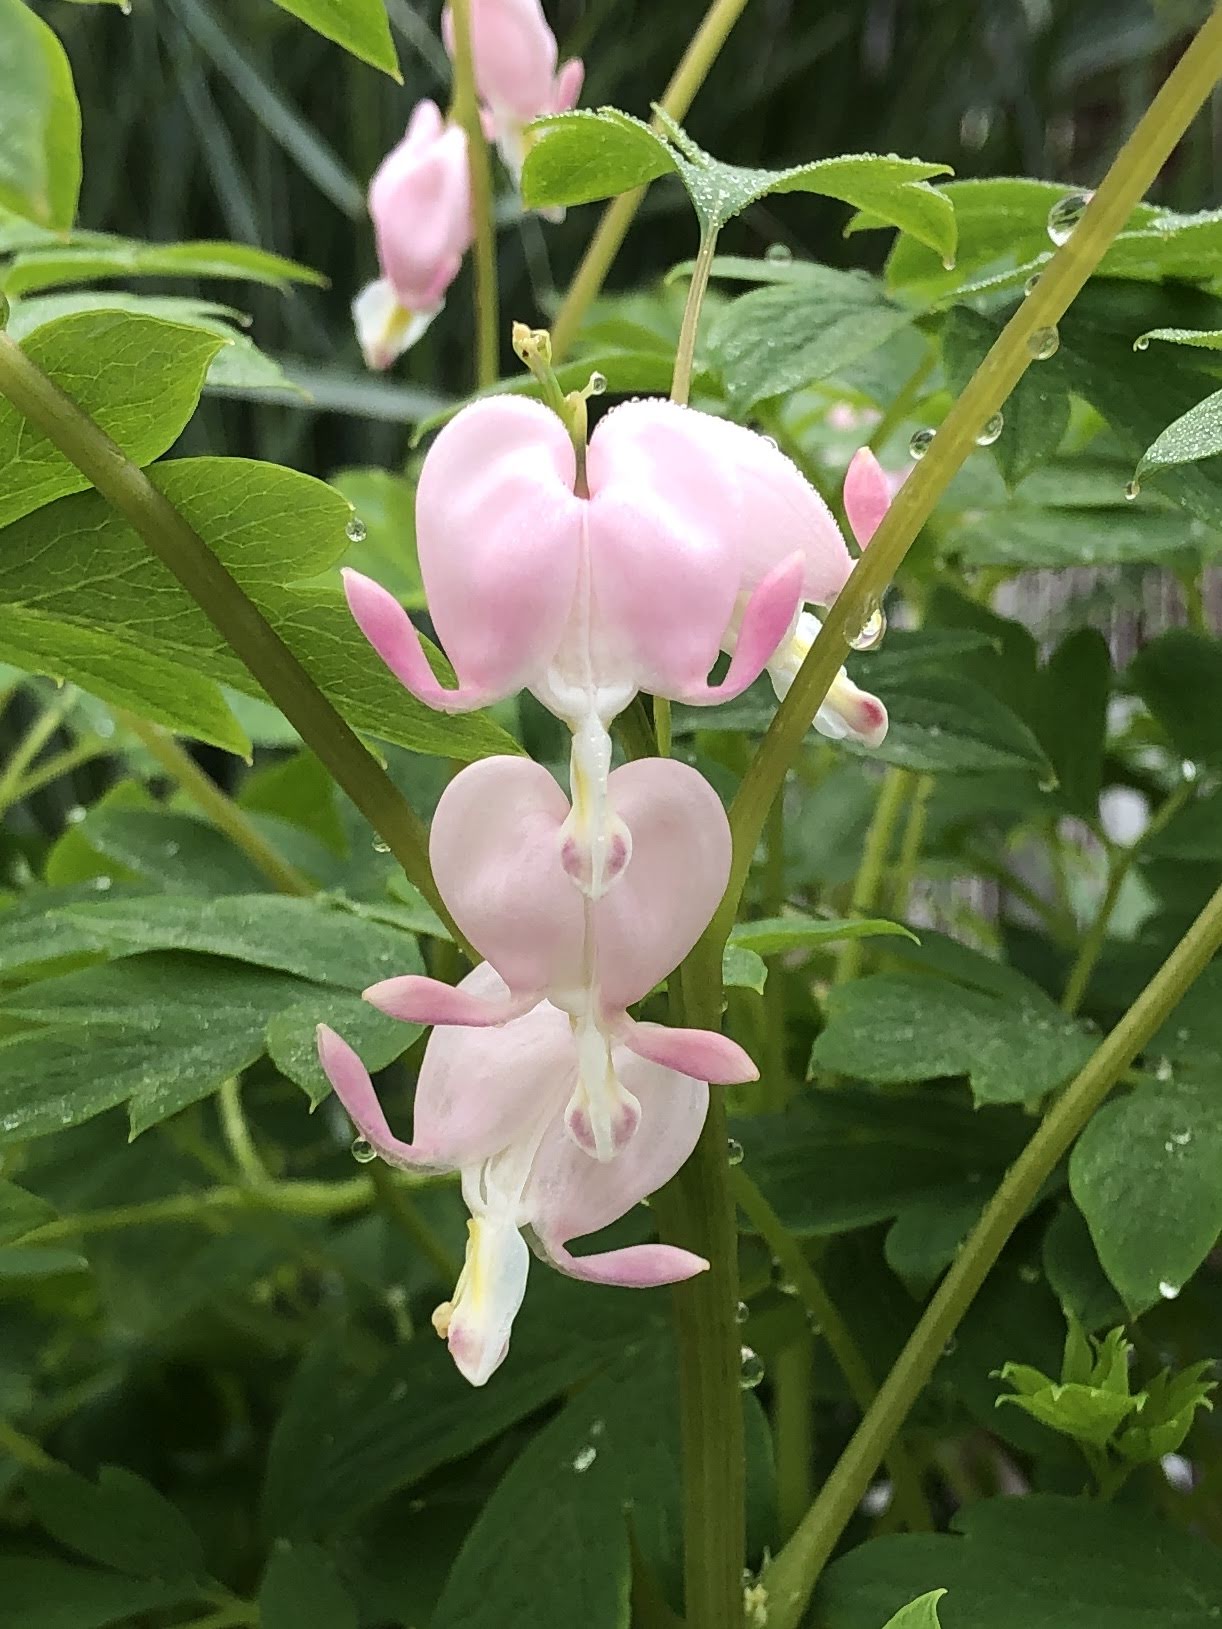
(499, 849)
(490, 1103)
(420, 202)
(515, 56)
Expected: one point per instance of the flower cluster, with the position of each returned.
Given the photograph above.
(586, 574)
(420, 195)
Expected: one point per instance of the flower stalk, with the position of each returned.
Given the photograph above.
(466, 111)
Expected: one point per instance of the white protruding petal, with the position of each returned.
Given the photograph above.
(596, 844)
(602, 1116)
(848, 712)
(384, 328)
(476, 1324)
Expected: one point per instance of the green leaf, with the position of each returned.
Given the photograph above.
(40, 121)
(781, 338)
(768, 935)
(1144, 1173)
(1205, 339)
(1172, 1402)
(138, 377)
(889, 1029)
(156, 1031)
(385, 505)
(1179, 677)
(101, 256)
(120, 1521)
(1036, 413)
(239, 365)
(1074, 1275)
(1020, 1564)
(1087, 1414)
(81, 597)
(852, 1158)
(360, 26)
(1023, 536)
(919, 1614)
(302, 1589)
(743, 969)
(59, 1595)
(1072, 701)
(1195, 435)
(304, 937)
(579, 157)
(944, 725)
(291, 1041)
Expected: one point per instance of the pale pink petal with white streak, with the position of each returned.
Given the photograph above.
(420, 204)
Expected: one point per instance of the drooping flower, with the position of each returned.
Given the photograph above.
(420, 202)
(515, 56)
(489, 1103)
(502, 851)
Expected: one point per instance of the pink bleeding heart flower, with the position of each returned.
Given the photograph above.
(501, 851)
(515, 56)
(489, 1103)
(420, 202)
(587, 591)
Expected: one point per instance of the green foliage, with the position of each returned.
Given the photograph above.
(40, 123)
(360, 26)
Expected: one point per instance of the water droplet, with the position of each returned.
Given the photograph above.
(1029, 1274)
(1181, 1139)
(779, 254)
(992, 429)
(1065, 215)
(921, 442)
(1169, 1291)
(877, 1499)
(734, 1151)
(597, 385)
(1142, 342)
(1044, 343)
(597, 1427)
(872, 630)
(751, 1371)
(584, 1458)
(1164, 1069)
(355, 530)
(741, 1313)
(380, 847)
(951, 1347)
(103, 883)
(76, 814)
(1189, 770)
(1030, 285)
(1132, 490)
(363, 1151)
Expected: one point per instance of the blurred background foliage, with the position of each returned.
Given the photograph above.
(227, 119)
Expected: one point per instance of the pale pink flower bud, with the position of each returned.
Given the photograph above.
(420, 202)
(490, 1104)
(498, 848)
(515, 55)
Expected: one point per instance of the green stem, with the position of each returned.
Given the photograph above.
(894, 793)
(685, 355)
(24, 1449)
(774, 1080)
(1136, 166)
(910, 845)
(1121, 864)
(792, 1576)
(826, 1316)
(603, 247)
(294, 1198)
(224, 813)
(792, 1431)
(465, 111)
(238, 1139)
(905, 401)
(51, 769)
(230, 610)
(661, 725)
(32, 743)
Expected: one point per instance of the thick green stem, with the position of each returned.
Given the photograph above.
(792, 1576)
(617, 218)
(826, 1317)
(685, 355)
(224, 813)
(695, 1210)
(50, 769)
(893, 794)
(230, 610)
(1014, 350)
(238, 1138)
(792, 1430)
(465, 111)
